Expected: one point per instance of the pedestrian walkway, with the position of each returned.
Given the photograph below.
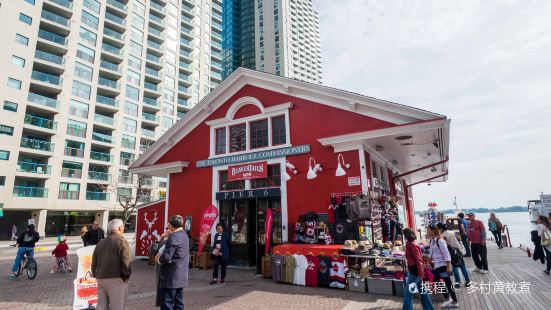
(53, 240)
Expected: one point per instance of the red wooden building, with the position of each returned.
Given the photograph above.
(273, 124)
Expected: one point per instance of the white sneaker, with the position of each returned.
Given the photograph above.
(447, 304)
(454, 305)
(477, 269)
(51, 271)
(483, 271)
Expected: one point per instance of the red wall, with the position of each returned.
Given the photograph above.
(153, 215)
(191, 190)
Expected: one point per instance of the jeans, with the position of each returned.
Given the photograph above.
(465, 241)
(480, 253)
(463, 271)
(408, 295)
(19, 257)
(548, 258)
(218, 261)
(172, 299)
(497, 236)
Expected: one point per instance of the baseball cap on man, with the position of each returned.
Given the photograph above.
(470, 213)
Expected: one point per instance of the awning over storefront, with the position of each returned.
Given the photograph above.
(417, 152)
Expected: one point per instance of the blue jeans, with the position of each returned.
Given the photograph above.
(172, 299)
(19, 257)
(464, 271)
(408, 296)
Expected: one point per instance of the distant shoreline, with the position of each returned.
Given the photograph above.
(482, 210)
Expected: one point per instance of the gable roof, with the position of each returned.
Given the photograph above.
(385, 110)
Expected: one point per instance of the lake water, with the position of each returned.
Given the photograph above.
(518, 223)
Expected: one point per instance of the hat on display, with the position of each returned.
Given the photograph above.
(354, 243)
(348, 245)
(379, 243)
(398, 243)
(374, 252)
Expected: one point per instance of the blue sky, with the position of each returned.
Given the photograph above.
(484, 64)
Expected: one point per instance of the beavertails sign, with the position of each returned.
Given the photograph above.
(248, 171)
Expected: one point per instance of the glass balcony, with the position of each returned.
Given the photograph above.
(40, 145)
(126, 179)
(186, 54)
(156, 19)
(74, 152)
(76, 131)
(43, 100)
(126, 161)
(151, 86)
(49, 57)
(157, 7)
(101, 156)
(180, 114)
(184, 77)
(216, 45)
(144, 147)
(104, 119)
(31, 192)
(115, 18)
(217, 7)
(40, 122)
(109, 83)
(184, 90)
(153, 58)
(185, 42)
(47, 78)
(117, 4)
(151, 102)
(217, 15)
(110, 66)
(111, 49)
(148, 133)
(156, 32)
(71, 173)
(216, 75)
(150, 117)
(154, 45)
(46, 35)
(107, 100)
(217, 25)
(28, 167)
(113, 34)
(100, 176)
(151, 72)
(66, 3)
(70, 195)
(128, 144)
(55, 18)
(182, 102)
(216, 64)
(217, 36)
(97, 195)
(101, 137)
(216, 54)
(185, 18)
(186, 31)
(187, 9)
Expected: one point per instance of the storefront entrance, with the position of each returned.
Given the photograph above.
(244, 221)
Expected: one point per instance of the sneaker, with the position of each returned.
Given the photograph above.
(213, 282)
(51, 271)
(454, 305)
(477, 269)
(483, 271)
(546, 272)
(446, 304)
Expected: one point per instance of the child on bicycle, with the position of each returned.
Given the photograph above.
(60, 253)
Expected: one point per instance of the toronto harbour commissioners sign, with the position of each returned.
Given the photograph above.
(242, 158)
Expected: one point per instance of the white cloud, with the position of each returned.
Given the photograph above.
(484, 64)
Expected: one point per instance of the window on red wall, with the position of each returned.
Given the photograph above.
(279, 135)
(259, 133)
(226, 185)
(273, 179)
(220, 141)
(238, 138)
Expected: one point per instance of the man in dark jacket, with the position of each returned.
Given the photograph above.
(111, 267)
(26, 242)
(93, 235)
(174, 260)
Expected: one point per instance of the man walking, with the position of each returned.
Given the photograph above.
(477, 235)
(93, 235)
(111, 267)
(174, 260)
(464, 232)
(13, 232)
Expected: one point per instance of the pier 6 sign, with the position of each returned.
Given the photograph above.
(255, 156)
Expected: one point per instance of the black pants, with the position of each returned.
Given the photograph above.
(172, 298)
(442, 273)
(480, 253)
(465, 241)
(497, 235)
(218, 261)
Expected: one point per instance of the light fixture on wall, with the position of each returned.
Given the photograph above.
(340, 171)
(290, 167)
(313, 169)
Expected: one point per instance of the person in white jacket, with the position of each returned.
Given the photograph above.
(451, 239)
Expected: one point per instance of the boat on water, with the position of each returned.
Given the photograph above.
(539, 207)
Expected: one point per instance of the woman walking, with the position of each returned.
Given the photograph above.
(414, 260)
(220, 253)
(442, 264)
(544, 231)
(453, 242)
(495, 226)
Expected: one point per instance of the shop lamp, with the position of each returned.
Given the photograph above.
(290, 167)
(340, 171)
(313, 169)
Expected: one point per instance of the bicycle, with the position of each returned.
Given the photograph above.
(62, 265)
(29, 264)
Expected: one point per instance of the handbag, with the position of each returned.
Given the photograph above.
(429, 276)
(216, 251)
(546, 237)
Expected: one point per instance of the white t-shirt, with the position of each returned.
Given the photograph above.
(300, 269)
(541, 228)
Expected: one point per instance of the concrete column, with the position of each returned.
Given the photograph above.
(39, 217)
(102, 217)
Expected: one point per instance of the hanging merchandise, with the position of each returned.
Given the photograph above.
(338, 272)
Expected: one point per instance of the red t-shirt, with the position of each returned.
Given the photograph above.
(60, 250)
(477, 232)
(312, 271)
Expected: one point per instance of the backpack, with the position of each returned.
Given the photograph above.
(455, 254)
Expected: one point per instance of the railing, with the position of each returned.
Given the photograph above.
(184, 77)
(70, 195)
(144, 147)
(156, 32)
(111, 49)
(186, 54)
(97, 195)
(150, 117)
(217, 25)
(151, 72)
(128, 144)
(186, 31)
(61, 40)
(156, 19)
(153, 58)
(100, 176)
(117, 4)
(183, 90)
(157, 7)
(104, 119)
(40, 122)
(154, 45)
(71, 173)
(126, 161)
(148, 133)
(216, 44)
(27, 191)
(102, 137)
(126, 179)
(115, 18)
(47, 78)
(90, 22)
(110, 66)
(55, 18)
(109, 83)
(151, 102)
(216, 75)
(43, 100)
(23, 166)
(217, 7)
(216, 54)
(186, 66)
(49, 57)
(182, 102)
(180, 114)
(217, 15)
(113, 33)
(37, 144)
(186, 19)
(107, 100)
(76, 131)
(65, 3)
(187, 9)
(74, 152)
(78, 112)
(216, 35)
(185, 42)
(101, 156)
(151, 86)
